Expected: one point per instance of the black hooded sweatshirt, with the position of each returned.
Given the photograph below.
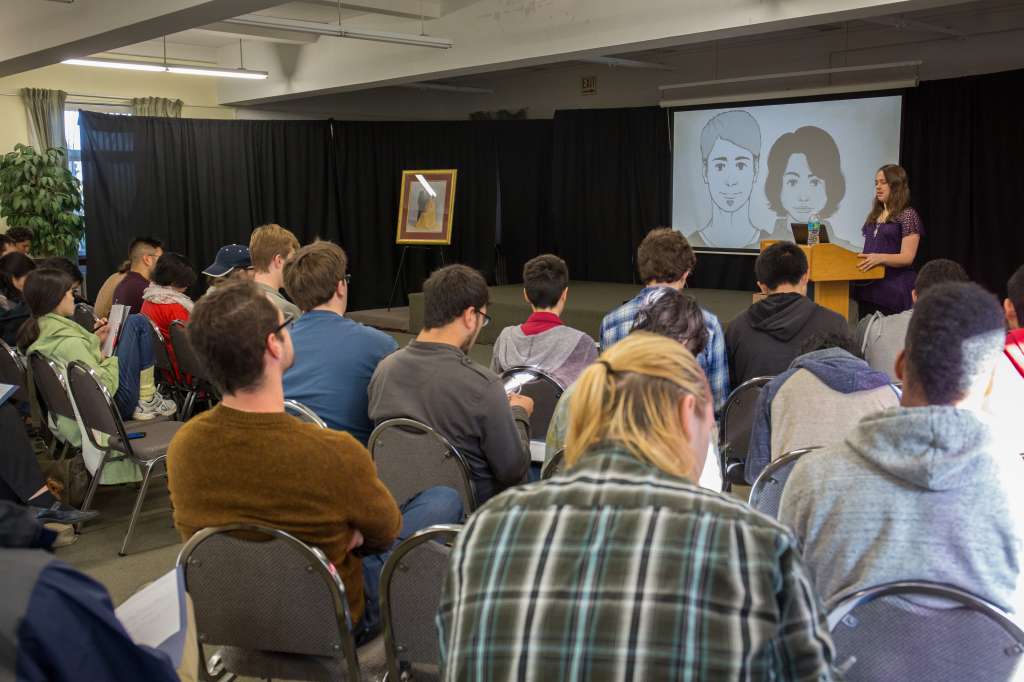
(762, 340)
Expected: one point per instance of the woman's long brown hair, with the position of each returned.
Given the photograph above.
(899, 193)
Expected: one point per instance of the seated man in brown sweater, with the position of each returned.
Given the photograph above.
(248, 461)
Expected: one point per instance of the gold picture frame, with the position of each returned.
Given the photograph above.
(425, 216)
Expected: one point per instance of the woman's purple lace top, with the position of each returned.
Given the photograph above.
(894, 290)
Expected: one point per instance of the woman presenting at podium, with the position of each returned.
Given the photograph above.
(891, 235)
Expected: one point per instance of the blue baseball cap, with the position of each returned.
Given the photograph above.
(229, 258)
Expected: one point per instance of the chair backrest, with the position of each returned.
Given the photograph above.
(12, 371)
(184, 353)
(268, 592)
(738, 419)
(411, 457)
(410, 594)
(900, 631)
(555, 465)
(86, 317)
(541, 388)
(161, 351)
(49, 381)
(96, 407)
(766, 493)
(303, 413)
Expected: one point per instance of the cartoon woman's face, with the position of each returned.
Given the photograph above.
(803, 192)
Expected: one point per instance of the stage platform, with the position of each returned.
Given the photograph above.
(585, 307)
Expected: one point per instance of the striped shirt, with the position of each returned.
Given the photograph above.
(615, 570)
(713, 359)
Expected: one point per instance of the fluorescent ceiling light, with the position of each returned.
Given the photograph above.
(613, 61)
(321, 29)
(426, 185)
(793, 74)
(783, 94)
(172, 68)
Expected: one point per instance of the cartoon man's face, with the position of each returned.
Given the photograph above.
(730, 172)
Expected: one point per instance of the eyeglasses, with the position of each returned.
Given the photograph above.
(348, 278)
(289, 322)
(487, 318)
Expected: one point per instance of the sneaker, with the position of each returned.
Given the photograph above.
(146, 409)
(167, 406)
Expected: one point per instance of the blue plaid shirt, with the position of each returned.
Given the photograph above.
(712, 359)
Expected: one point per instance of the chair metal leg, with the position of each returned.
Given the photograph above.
(190, 401)
(92, 487)
(52, 447)
(64, 452)
(138, 507)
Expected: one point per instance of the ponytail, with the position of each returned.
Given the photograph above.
(44, 290)
(124, 267)
(632, 394)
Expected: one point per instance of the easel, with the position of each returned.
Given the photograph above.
(398, 276)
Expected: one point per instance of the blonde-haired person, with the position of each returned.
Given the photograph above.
(269, 247)
(625, 566)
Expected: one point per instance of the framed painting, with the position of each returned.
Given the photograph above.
(425, 210)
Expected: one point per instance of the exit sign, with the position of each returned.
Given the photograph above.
(589, 85)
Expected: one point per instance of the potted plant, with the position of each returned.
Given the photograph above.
(38, 192)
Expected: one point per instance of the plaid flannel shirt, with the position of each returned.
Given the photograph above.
(713, 360)
(615, 570)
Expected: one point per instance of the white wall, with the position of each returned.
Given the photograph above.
(995, 35)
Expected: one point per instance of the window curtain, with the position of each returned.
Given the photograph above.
(157, 106)
(45, 118)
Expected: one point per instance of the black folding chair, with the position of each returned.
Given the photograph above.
(276, 607)
(85, 316)
(411, 457)
(542, 388)
(304, 414)
(49, 382)
(12, 371)
(189, 364)
(766, 494)
(169, 375)
(919, 630)
(553, 466)
(410, 594)
(737, 422)
(99, 414)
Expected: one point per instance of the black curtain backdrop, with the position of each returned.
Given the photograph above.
(200, 184)
(962, 149)
(587, 185)
(611, 185)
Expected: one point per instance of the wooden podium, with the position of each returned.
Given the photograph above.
(832, 268)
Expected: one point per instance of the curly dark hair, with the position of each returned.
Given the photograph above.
(953, 342)
(678, 316)
(664, 256)
(824, 340)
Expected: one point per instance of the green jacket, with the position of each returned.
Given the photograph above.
(63, 340)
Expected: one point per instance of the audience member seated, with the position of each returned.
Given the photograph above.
(665, 259)
(105, 296)
(666, 312)
(880, 337)
(58, 623)
(248, 461)
(14, 268)
(623, 567)
(164, 300)
(21, 480)
(128, 376)
(143, 252)
(1014, 302)
(7, 245)
(335, 357)
(22, 238)
(232, 262)
(67, 265)
(762, 340)
(433, 381)
(544, 342)
(1005, 399)
(270, 246)
(925, 491)
(817, 401)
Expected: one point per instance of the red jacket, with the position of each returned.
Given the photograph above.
(1015, 349)
(162, 315)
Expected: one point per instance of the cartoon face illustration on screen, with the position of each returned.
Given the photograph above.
(804, 176)
(730, 145)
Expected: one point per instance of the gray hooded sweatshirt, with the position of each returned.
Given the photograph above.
(913, 493)
(881, 338)
(561, 352)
